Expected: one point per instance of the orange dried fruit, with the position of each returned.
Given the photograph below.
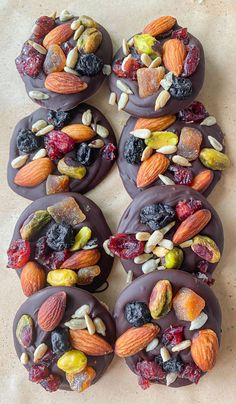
(190, 141)
(149, 80)
(187, 304)
(55, 60)
(57, 183)
(67, 210)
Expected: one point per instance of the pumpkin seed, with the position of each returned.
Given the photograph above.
(76, 324)
(81, 311)
(39, 48)
(101, 130)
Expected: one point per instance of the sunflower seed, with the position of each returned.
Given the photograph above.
(217, 145)
(142, 236)
(123, 87)
(81, 311)
(78, 32)
(150, 265)
(65, 16)
(131, 42)
(125, 47)
(167, 228)
(146, 59)
(155, 238)
(106, 248)
(129, 276)
(140, 259)
(209, 121)
(90, 324)
(148, 248)
(40, 124)
(38, 95)
(19, 161)
(106, 70)
(170, 378)
(96, 144)
(53, 15)
(166, 83)
(167, 149)
(124, 98)
(24, 358)
(45, 130)
(40, 154)
(168, 244)
(39, 48)
(155, 63)
(87, 117)
(162, 100)
(161, 268)
(112, 98)
(186, 244)
(72, 58)
(182, 345)
(181, 161)
(165, 354)
(40, 352)
(166, 180)
(100, 326)
(76, 324)
(101, 130)
(146, 153)
(71, 71)
(152, 345)
(160, 251)
(124, 62)
(141, 133)
(75, 24)
(199, 321)
(104, 304)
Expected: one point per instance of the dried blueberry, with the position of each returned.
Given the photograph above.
(133, 150)
(60, 236)
(85, 154)
(60, 340)
(181, 88)
(89, 65)
(157, 215)
(137, 313)
(27, 142)
(174, 364)
(58, 118)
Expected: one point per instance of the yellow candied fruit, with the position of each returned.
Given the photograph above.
(62, 277)
(72, 361)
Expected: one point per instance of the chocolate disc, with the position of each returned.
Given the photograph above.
(75, 298)
(140, 291)
(45, 256)
(99, 164)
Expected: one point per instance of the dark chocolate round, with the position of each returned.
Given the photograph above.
(140, 291)
(170, 195)
(94, 220)
(96, 172)
(75, 298)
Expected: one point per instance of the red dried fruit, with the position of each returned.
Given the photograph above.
(203, 266)
(205, 278)
(149, 371)
(126, 246)
(181, 34)
(18, 254)
(57, 144)
(42, 26)
(48, 359)
(51, 383)
(30, 61)
(38, 373)
(186, 208)
(182, 175)
(191, 372)
(173, 335)
(108, 152)
(47, 258)
(67, 47)
(191, 61)
(196, 112)
(130, 68)
(143, 383)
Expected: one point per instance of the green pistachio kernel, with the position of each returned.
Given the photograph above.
(34, 224)
(68, 167)
(81, 238)
(213, 159)
(144, 43)
(161, 139)
(174, 258)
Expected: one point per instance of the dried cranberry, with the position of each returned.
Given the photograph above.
(48, 359)
(130, 68)
(108, 152)
(191, 372)
(44, 255)
(194, 113)
(18, 254)
(42, 26)
(57, 258)
(186, 208)
(58, 144)
(191, 61)
(67, 47)
(38, 373)
(126, 246)
(51, 383)
(150, 370)
(173, 335)
(203, 266)
(30, 61)
(181, 34)
(182, 175)
(144, 383)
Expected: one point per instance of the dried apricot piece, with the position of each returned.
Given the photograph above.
(57, 183)
(55, 60)
(149, 80)
(190, 141)
(187, 304)
(82, 380)
(67, 211)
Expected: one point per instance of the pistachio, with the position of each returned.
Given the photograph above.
(141, 133)
(19, 161)
(68, 167)
(81, 311)
(35, 222)
(144, 43)
(142, 236)
(140, 259)
(152, 345)
(123, 100)
(214, 159)
(112, 98)
(87, 275)
(106, 248)
(101, 130)
(199, 321)
(174, 258)
(160, 301)
(89, 324)
(125, 47)
(181, 161)
(40, 352)
(214, 142)
(87, 22)
(160, 139)
(106, 70)
(87, 117)
(162, 100)
(73, 361)
(72, 58)
(181, 346)
(40, 154)
(89, 41)
(206, 248)
(44, 130)
(76, 324)
(166, 180)
(24, 358)
(129, 276)
(24, 331)
(38, 95)
(146, 153)
(40, 124)
(78, 32)
(100, 326)
(65, 16)
(62, 277)
(96, 144)
(81, 238)
(208, 121)
(150, 265)
(123, 87)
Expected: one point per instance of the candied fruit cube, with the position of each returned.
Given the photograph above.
(81, 380)
(187, 304)
(57, 183)
(149, 80)
(67, 211)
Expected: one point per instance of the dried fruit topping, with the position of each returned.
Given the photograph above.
(203, 266)
(192, 60)
(27, 142)
(174, 364)
(157, 215)
(108, 152)
(133, 150)
(196, 112)
(144, 44)
(58, 118)
(174, 258)
(85, 154)
(187, 304)
(38, 373)
(33, 278)
(93, 345)
(24, 331)
(72, 168)
(174, 53)
(51, 311)
(60, 340)
(182, 175)
(42, 26)
(60, 236)
(30, 61)
(89, 41)
(190, 141)
(204, 349)
(181, 34)
(18, 254)
(150, 169)
(186, 208)
(62, 277)
(48, 258)
(68, 211)
(89, 65)
(160, 25)
(35, 222)
(57, 183)
(148, 371)
(82, 259)
(128, 70)
(87, 275)
(57, 144)
(72, 361)
(161, 139)
(149, 80)
(67, 47)
(82, 380)
(214, 159)
(160, 300)
(181, 88)
(137, 313)
(173, 335)
(206, 248)
(51, 383)
(191, 372)
(125, 246)
(191, 226)
(48, 358)
(55, 60)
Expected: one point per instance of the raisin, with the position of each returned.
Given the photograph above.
(181, 34)
(150, 370)
(57, 144)
(191, 372)
(157, 215)
(182, 175)
(203, 266)
(137, 313)
(18, 254)
(51, 383)
(46, 257)
(60, 236)
(181, 88)
(172, 335)
(58, 118)
(85, 154)
(130, 68)
(27, 142)
(89, 65)
(38, 373)
(174, 364)
(60, 340)
(126, 246)
(108, 152)
(196, 112)
(191, 61)
(186, 208)
(43, 25)
(133, 150)
(30, 61)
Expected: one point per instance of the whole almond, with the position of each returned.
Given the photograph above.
(151, 168)
(89, 344)
(192, 226)
(155, 124)
(135, 339)
(34, 173)
(51, 311)
(160, 25)
(202, 180)
(82, 259)
(58, 35)
(64, 83)
(204, 349)
(174, 53)
(79, 132)
(33, 278)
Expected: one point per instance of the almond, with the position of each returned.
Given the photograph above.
(160, 25)
(155, 124)
(174, 53)
(34, 173)
(202, 180)
(32, 278)
(89, 344)
(82, 259)
(151, 168)
(51, 311)
(204, 349)
(64, 83)
(58, 35)
(135, 339)
(79, 132)
(192, 226)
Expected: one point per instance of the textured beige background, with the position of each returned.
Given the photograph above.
(213, 22)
